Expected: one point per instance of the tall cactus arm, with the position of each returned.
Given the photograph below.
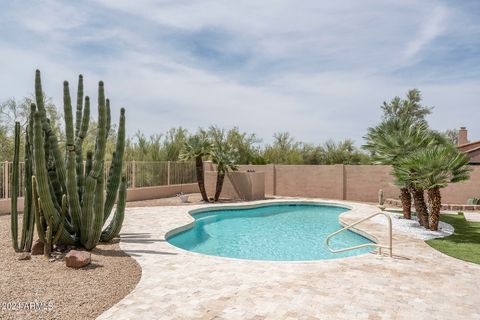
(39, 98)
(72, 187)
(59, 160)
(115, 225)
(85, 120)
(116, 168)
(43, 187)
(38, 213)
(33, 108)
(99, 155)
(97, 223)
(88, 210)
(14, 188)
(110, 170)
(109, 117)
(56, 188)
(28, 216)
(60, 227)
(39, 93)
(51, 141)
(67, 109)
(79, 147)
(78, 117)
(93, 201)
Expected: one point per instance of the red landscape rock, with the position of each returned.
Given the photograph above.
(37, 248)
(77, 259)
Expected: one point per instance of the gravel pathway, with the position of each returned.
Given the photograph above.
(61, 292)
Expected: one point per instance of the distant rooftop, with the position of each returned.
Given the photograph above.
(472, 149)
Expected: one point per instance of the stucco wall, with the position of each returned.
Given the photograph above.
(462, 191)
(149, 193)
(349, 182)
(310, 181)
(363, 182)
(248, 186)
(268, 170)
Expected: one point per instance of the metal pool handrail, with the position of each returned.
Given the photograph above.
(379, 246)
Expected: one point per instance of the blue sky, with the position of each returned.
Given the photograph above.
(318, 69)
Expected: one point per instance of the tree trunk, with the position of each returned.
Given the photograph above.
(406, 199)
(435, 203)
(218, 190)
(420, 206)
(201, 178)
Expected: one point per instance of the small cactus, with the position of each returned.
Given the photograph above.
(473, 201)
(381, 198)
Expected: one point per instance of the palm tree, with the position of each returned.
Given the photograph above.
(391, 141)
(405, 179)
(410, 108)
(195, 148)
(435, 167)
(226, 159)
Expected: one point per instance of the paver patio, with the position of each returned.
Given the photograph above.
(418, 283)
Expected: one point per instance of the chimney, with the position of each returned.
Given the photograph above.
(462, 136)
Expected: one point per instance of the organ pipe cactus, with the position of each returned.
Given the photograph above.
(71, 205)
(28, 222)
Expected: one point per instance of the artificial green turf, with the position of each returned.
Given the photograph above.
(464, 243)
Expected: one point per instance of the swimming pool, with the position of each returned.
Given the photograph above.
(277, 232)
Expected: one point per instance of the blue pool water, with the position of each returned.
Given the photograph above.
(282, 232)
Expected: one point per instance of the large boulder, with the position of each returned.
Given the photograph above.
(78, 259)
(37, 248)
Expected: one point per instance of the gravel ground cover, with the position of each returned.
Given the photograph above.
(414, 229)
(39, 289)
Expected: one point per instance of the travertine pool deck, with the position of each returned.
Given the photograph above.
(418, 283)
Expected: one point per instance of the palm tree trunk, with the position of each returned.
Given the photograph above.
(406, 199)
(435, 203)
(201, 178)
(220, 178)
(420, 206)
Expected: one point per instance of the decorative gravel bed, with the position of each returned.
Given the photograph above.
(413, 228)
(61, 292)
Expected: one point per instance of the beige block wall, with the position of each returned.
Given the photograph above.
(309, 181)
(350, 182)
(462, 191)
(362, 183)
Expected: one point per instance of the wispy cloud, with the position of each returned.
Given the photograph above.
(317, 69)
(433, 27)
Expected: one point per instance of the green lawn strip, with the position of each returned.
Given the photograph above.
(464, 243)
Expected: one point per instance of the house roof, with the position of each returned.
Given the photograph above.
(469, 147)
(473, 149)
